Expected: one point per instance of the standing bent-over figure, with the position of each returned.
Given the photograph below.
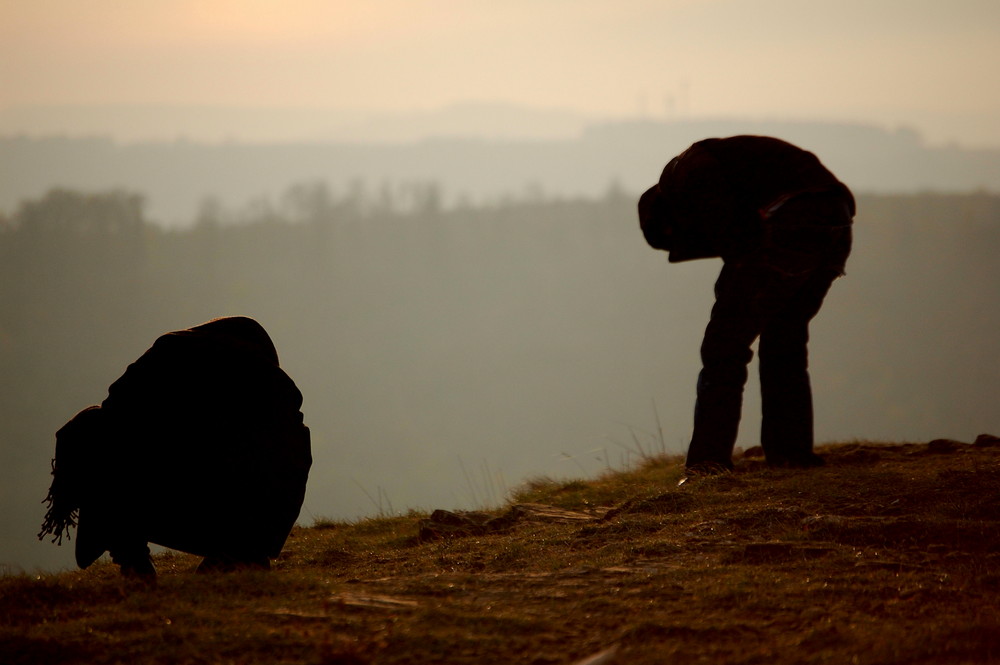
(781, 222)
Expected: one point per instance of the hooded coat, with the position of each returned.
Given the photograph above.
(200, 446)
(712, 199)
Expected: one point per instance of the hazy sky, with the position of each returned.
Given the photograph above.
(924, 63)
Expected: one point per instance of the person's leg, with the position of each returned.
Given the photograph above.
(725, 354)
(786, 393)
(808, 241)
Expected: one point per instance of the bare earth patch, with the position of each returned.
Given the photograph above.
(889, 554)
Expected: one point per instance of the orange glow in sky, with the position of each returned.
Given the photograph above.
(884, 60)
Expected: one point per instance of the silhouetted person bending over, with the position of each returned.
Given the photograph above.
(199, 446)
(781, 222)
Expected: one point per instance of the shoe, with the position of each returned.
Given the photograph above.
(144, 571)
(135, 564)
(807, 461)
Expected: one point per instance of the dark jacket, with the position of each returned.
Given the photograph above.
(712, 199)
(200, 446)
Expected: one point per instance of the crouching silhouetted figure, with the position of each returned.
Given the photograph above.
(781, 222)
(200, 446)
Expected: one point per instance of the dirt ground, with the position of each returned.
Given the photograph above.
(888, 554)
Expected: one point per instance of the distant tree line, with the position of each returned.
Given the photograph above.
(401, 316)
(86, 278)
(95, 260)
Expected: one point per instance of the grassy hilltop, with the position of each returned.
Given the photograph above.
(889, 554)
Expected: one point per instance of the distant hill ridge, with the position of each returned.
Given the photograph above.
(177, 176)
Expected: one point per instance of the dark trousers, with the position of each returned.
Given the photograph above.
(771, 293)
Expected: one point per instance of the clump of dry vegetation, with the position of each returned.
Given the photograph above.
(889, 554)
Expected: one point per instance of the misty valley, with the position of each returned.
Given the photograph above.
(448, 354)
